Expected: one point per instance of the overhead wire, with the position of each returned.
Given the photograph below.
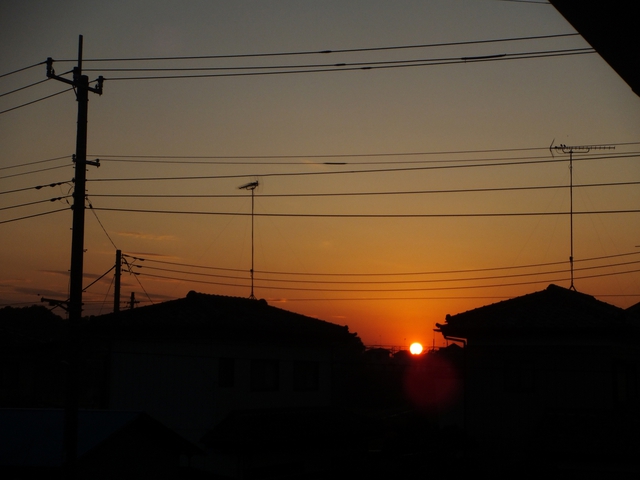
(179, 159)
(22, 69)
(34, 162)
(373, 170)
(371, 65)
(36, 187)
(33, 171)
(33, 216)
(378, 274)
(329, 51)
(101, 225)
(35, 203)
(34, 101)
(370, 215)
(388, 282)
(359, 194)
(24, 87)
(321, 66)
(398, 290)
(334, 155)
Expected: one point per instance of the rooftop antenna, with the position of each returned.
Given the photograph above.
(570, 150)
(251, 186)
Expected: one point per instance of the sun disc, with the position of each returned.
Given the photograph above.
(415, 348)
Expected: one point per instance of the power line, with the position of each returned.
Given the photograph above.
(35, 162)
(22, 69)
(369, 215)
(24, 88)
(526, 1)
(358, 194)
(374, 66)
(102, 226)
(330, 51)
(34, 101)
(335, 163)
(128, 158)
(37, 187)
(399, 290)
(33, 216)
(440, 272)
(378, 170)
(389, 282)
(338, 155)
(35, 203)
(399, 299)
(407, 62)
(34, 171)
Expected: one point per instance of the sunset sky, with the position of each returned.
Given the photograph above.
(403, 176)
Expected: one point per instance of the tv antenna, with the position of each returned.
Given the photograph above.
(570, 150)
(252, 187)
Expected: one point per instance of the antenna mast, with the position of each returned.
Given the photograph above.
(251, 186)
(570, 150)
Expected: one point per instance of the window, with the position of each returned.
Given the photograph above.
(624, 383)
(306, 376)
(226, 372)
(519, 377)
(265, 375)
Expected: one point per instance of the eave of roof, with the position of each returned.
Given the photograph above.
(553, 310)
(611, 29)
(205, 317)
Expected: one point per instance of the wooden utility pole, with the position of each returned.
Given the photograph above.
(116, 289)
(81, 86)
(132, 301)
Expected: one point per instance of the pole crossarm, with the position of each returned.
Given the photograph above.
(77, 73)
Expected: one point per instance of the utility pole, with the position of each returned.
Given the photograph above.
(570, 150)
(132, 300)
(81, 86)
(251, 186)
(116, 290)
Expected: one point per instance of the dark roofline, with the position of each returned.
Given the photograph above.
(207, 318)
(555, 310)
(611, 29)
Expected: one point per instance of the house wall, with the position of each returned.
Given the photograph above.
(521, 396)
(187, 386)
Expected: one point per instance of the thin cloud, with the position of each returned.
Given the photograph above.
(146, 236)
(155, 255)
(66, 273)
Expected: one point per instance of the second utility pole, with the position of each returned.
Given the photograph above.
(80, 84)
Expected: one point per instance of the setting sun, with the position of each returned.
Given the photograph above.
(415, 348)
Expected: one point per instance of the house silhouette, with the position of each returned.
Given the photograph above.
(550, 383)
(198, 366)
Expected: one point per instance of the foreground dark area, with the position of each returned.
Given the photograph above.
(222, 387)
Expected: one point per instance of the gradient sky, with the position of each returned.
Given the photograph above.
(390, 278)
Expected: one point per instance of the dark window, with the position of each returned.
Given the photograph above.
(624, 383)
(9, 374)
(226, 372)
(265, 375)
(306, 376)
(518, 377)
